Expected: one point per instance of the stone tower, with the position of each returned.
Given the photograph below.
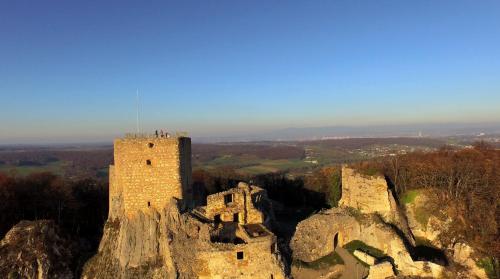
(147, 172)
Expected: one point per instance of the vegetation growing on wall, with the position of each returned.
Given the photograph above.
(324, 262)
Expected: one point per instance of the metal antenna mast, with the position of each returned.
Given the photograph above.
(137, 103)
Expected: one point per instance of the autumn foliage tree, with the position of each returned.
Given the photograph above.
(79, 207)
(465, 183)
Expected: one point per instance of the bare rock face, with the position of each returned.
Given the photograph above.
(463, 254)
(429, 228)
(364, 257)
(367, 194)
(381, 270)
(321, 233)
(315, 237)
(34, 249)
(372, 195)
(171, 244)
(149, 245)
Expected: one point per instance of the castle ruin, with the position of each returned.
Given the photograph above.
(154, 228)
(241, 245)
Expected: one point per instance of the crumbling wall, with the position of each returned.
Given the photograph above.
(367, 194)
(218, 204)
(146, 236)
(372, 195)
(242, 203)
(257, 259)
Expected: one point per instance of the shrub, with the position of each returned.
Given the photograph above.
(324, 262)
(490, 266)
(360, 245)
(409, 196)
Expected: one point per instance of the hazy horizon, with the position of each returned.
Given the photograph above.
(70, 71)
(432, 130)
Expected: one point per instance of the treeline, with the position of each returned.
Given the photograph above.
(465, 184)
(74, 164)
(97, 158)
(315, 191)
(356, 143)
(78, 207)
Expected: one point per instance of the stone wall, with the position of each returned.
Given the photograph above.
(149, 171)
(367, 194)
(371, 194)
(242, 202)
(259, 259)
(314, 237)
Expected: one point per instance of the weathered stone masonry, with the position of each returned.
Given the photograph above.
(237, 205)
(147, 172)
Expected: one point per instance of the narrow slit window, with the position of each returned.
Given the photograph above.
(149, 204)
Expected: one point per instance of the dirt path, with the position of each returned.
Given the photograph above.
(353, 268)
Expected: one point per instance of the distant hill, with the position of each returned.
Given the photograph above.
(409, 130)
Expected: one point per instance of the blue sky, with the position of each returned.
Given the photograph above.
(69, 70)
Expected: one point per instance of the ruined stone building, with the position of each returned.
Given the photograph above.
(240, 244)
(153, 231)
(243, 204)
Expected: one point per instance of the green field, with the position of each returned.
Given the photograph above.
(54, 167)
(251, 165)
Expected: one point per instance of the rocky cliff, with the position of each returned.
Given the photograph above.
(149, 245)
(368, 212)
(35, 249)
(315, 237)
(372, 195)
(171, 244)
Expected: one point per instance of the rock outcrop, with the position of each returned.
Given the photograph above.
(367, 212)
(171, 244)
(315, 237)
(35, 249)
(372, 195)
(422, 223)
(431, 225)
(147, 235)
(381, 270)
(149, 245)
(463, 254)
